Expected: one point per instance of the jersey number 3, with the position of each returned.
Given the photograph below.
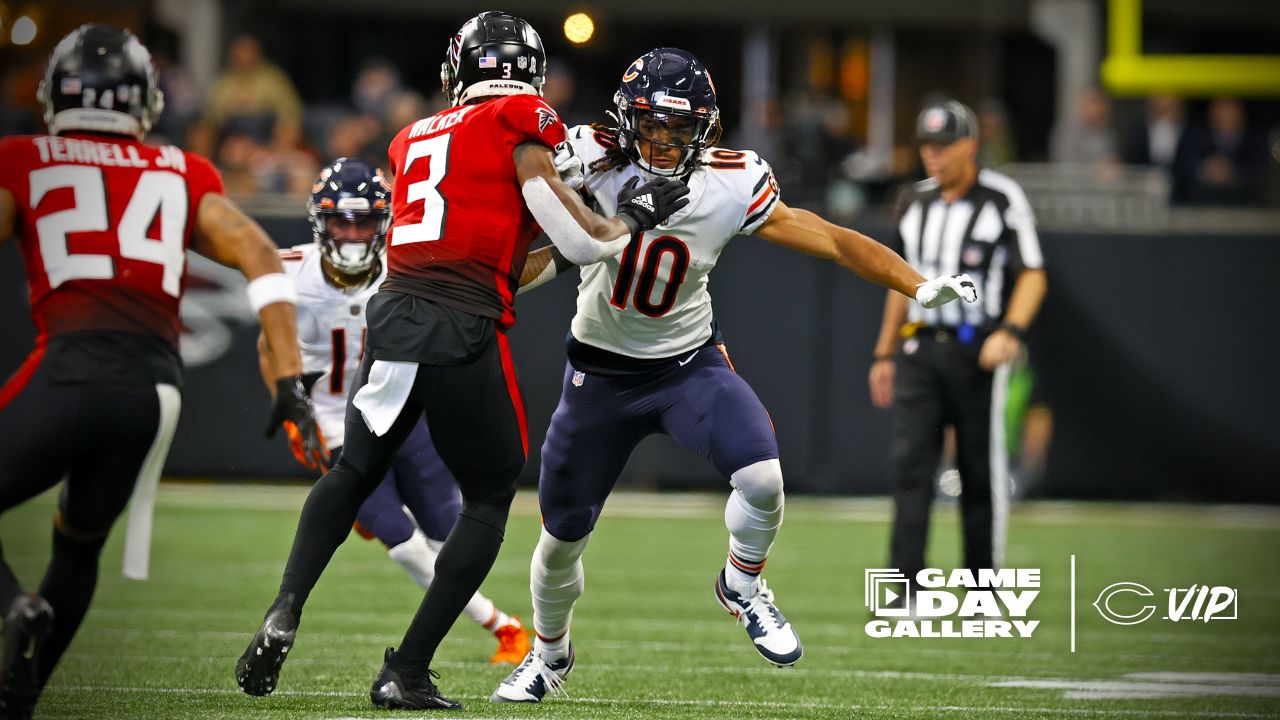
(157, 191)
(434, 205)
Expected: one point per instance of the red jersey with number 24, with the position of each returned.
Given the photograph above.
(462, 230)
(104, 223)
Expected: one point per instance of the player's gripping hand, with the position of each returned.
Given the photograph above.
(292, 409)
(944, 289)
(644, 207)
(569, 165)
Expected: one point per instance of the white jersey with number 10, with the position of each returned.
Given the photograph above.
(651, 301)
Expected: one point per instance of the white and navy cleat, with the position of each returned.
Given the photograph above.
(768, 628)
(534, 678)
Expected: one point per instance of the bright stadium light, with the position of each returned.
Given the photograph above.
(24, 30)
(579, 28)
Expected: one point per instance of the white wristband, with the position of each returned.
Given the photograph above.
(271, 288)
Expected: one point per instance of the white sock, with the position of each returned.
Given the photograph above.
(417, 558)
(555, 581)
(753, 516)
(486, 614)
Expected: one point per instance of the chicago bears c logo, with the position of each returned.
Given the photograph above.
(633, 71)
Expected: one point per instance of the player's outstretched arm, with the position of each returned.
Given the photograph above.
(582, 235)
(225, 234)
(806, 232)
(8, 214)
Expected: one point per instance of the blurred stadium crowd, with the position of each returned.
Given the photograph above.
(267, 135)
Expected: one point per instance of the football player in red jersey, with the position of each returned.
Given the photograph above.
(471, 186)
(104, 223)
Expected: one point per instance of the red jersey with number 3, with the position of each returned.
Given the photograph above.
(462, 230)
(104, 223)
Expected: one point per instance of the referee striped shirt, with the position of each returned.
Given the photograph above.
(990, 233)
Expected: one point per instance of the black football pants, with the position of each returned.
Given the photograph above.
(476, 418)
(941, 384)
(96, 436)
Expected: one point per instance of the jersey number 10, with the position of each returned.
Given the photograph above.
(665, 245)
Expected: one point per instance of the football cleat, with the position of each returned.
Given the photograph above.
(533, 678)
(768, 628)
(513, 643)
(258, 669)
(393, 691)
(26, 628)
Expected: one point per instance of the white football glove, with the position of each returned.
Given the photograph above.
(944, 289)
(569, 165)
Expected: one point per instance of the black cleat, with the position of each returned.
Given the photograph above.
(258, 669)
(26, 627)
(394, 691)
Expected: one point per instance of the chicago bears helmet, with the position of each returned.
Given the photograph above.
(100, 78)
(355, 192)
(493, 54)
(667, 87)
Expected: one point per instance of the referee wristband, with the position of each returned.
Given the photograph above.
(1013, 330)
(271, 288)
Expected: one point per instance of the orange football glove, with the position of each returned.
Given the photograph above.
(292, 409)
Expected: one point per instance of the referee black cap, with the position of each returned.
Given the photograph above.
(946, 122)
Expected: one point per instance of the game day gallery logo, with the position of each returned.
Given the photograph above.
(958, 604)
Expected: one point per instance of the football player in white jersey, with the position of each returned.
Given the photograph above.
(350, 211)
(645, 356)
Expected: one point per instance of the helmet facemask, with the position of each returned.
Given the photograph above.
(674, 138)
(351, 238)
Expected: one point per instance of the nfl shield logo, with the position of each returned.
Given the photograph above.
(578, 378)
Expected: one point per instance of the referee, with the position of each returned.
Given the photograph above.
(950, 365)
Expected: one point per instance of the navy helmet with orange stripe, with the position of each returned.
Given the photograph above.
(667, 102)
(350, 212)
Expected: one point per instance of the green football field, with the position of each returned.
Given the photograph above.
(651, 640)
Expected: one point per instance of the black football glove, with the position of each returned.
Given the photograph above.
(292, 409)
(644, 207)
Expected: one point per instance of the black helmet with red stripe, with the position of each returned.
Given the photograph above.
(494, 53)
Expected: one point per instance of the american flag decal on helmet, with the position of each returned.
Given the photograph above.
(545, 118)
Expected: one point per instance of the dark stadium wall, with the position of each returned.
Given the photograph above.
(1157, 355)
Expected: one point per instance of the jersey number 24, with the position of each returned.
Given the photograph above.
(157, 192)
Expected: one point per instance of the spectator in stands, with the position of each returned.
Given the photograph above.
(254, 97)
(1159, 138)
(1226, 161)
(376, 88)
(1087, 138)
(181, 100)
